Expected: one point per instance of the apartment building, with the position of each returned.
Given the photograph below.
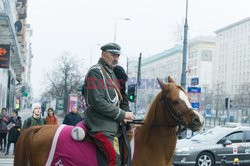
(233, 56)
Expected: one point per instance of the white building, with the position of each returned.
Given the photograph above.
(200, 61)
(169, 62)
(232, 64)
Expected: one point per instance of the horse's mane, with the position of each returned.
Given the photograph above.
(152, 115)
(149, 120)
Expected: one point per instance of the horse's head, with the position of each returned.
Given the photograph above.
(176, 101)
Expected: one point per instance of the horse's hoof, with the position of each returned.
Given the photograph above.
(77, 133)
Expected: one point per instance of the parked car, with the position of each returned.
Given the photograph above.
(208, 148)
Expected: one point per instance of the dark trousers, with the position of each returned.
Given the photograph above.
(3, 137)
(8, 147)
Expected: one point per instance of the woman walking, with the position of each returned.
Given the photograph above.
(51, 118)
(15, 124)
(4, 119)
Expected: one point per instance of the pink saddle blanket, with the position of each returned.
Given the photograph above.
(67, 152)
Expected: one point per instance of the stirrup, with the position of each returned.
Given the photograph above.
(78, 134)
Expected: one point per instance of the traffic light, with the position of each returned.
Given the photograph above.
(131, 92)
(228, 103)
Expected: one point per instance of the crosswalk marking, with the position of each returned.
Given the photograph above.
(6, 162)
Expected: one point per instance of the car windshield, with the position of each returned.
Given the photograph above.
(207, 135)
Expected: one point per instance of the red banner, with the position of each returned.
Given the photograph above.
(4, 56)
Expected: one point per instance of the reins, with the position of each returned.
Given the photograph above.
(181, 123)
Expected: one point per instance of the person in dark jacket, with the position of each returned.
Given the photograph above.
(73, 117)
(122, 79)
(15, 124)
(36, 119)
(4, 119)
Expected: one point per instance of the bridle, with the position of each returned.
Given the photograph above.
(181, 123)
(176, 115)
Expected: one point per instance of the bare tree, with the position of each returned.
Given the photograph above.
(242, 99)
(176, 32)
(64, 79)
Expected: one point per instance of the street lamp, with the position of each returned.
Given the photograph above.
(127, 63)
(184, 60)
(91, 52)
(116, 20)
(184, 56)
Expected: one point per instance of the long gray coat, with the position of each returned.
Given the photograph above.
(103, 113)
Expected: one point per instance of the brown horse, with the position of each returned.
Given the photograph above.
(154, 141)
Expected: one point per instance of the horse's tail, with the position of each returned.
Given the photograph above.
(23, 147)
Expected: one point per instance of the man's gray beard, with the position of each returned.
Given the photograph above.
(114, 63)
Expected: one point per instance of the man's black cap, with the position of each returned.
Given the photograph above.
(113, 48)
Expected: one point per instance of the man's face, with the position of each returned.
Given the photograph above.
(74, 109)
(37, 110)
(110, 59)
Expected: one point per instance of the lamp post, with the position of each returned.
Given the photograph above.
(184, 56)
(116, 20)
(127, 64)
(91, 52)
(184, 61)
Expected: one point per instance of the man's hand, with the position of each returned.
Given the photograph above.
(129, 116)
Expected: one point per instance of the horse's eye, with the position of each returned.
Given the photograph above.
(175, 102)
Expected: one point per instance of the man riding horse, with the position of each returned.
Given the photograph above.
(103, 96)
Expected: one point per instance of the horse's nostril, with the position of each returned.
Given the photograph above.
(196, 120)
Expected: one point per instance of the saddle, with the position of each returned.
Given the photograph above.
(106, 153)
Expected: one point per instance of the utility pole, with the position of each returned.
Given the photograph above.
(138, 81)
(184, 60)
(184, 56)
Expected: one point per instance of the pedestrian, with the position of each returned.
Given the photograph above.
(43, 107)
(36, 119)
(102, 96)
(4, 119)
(51, 118)
(15, 124)
(122, 79)
(73, 117)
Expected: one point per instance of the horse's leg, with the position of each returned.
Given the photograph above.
(41, 144)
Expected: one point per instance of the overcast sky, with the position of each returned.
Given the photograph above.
(78, 26)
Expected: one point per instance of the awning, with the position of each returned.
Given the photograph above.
(8, 36)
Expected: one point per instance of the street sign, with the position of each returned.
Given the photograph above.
(195, 81)
(194, 89)
(195, 105)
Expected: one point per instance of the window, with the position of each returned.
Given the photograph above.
(235, 137)
(247, 136)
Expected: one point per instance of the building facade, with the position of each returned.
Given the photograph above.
(232, 61)
(13, 35)
(233, 56)
(169, 63)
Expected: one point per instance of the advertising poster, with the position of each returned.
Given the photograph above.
(4, 56)
(72, 101)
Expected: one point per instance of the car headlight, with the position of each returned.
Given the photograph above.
(184, 149)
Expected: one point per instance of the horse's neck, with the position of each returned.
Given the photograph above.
(157, 136)
(157, 148)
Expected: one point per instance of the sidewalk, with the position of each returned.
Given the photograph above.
(24, 114)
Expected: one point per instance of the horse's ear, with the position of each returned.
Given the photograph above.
(170, 79)
(160, 83)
